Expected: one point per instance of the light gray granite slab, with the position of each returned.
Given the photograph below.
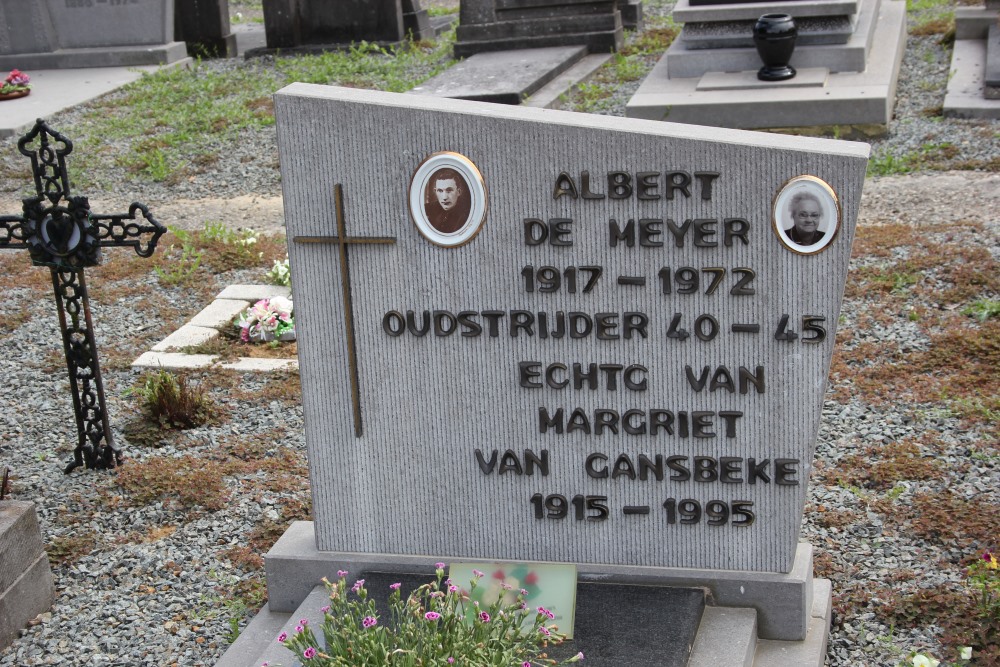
(395, 413)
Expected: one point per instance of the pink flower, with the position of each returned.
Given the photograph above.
(484, 617)
(478, 574)
(432, 616)
(303, 622)
(341, 573)
(451, 661)
(357, 585)
(309, 653)
(282, 637)
(17, 78)
(325, 609)
(395, 586)
(369, 621)
(299, 628)
(439, 566)
(452, 589)
(525, 664)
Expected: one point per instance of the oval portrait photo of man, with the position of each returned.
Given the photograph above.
(448, 199)
(806, 216)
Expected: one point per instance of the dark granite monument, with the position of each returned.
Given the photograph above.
(307, 26)
(204, 26)
(504, 25)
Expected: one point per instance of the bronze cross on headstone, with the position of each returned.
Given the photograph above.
(342, 240)
(60, 232)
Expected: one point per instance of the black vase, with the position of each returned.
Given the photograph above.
(774, 36)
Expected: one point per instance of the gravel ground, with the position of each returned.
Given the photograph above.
(156, 583)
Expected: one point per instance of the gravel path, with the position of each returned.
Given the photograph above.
(162, 582)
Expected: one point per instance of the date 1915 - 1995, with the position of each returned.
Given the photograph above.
(687, 511)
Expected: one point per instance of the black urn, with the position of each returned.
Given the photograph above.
(774, 36)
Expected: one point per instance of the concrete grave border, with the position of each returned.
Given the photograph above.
(207, 325)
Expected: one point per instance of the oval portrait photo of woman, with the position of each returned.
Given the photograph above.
(806, 215)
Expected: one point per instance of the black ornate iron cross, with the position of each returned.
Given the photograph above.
(61, 232)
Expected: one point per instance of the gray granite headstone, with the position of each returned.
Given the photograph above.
(57, 34)
(617, 354)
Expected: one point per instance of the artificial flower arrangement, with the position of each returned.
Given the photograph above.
(266, 320)
(16, 82)
(437, 624)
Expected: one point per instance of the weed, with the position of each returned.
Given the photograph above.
(171, 402)
(187, 481)
(983, 309)
(68, 549)
(181, 271)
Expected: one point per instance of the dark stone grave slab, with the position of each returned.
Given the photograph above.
(204, 26)
(503, 25)
(505, 77)
(309, 26)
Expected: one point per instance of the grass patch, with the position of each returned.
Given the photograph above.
(228, 348)
(170, 401)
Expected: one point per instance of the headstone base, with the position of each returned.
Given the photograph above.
(669, 618)
(845, 98)
(968, 95)
(26, 588)
(105, 56)
(783, 601)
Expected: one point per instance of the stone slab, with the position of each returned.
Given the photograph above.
(811, 652)
(782, 601)
(485, 28)
(682, 62)
(219, 313)
(26, 587)
(445, 393)
(804, 78)
(991, 78)
(965, 97)
(30, 595)
(25, 27)
(727, 637)
(685, 12)
(848, 98)
(973, 22)
(812, 31)
(255, 639)
(253, 293)
(506, 77)
(20, 540)
(107, 56)
(188, 335)
(180, 361)
(550, 95)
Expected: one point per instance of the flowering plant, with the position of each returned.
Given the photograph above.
(280, 274)
(15, 82)
(266, 320)
(437, 624)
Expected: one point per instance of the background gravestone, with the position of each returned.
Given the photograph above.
(57, 34)
(204, 26)
(503, 25)
(315, 25)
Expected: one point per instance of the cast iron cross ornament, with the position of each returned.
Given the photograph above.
(60, 232)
